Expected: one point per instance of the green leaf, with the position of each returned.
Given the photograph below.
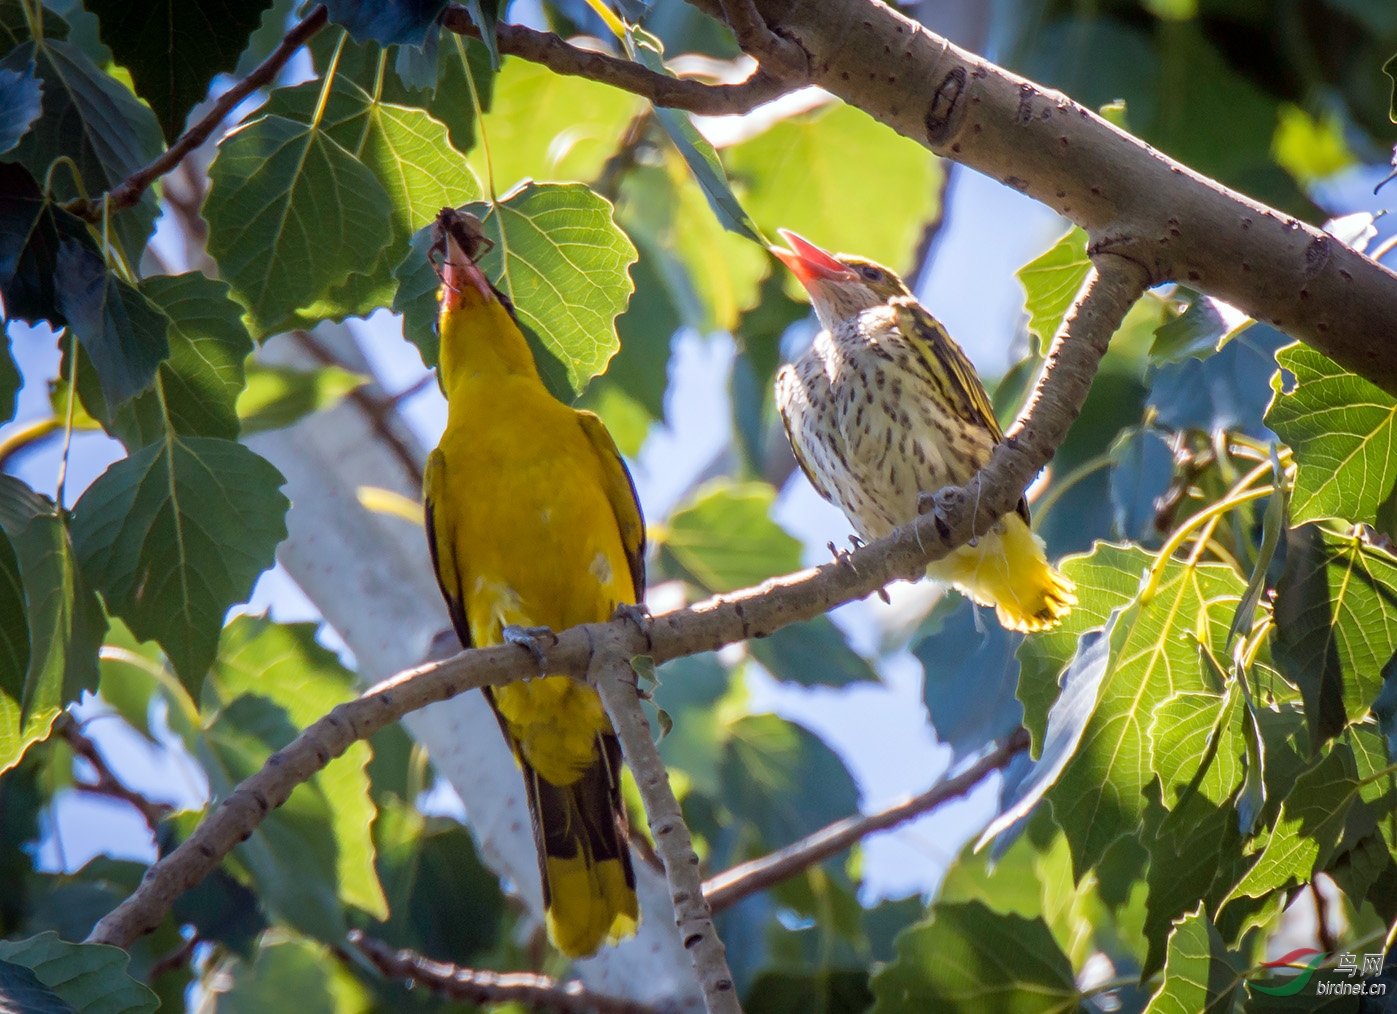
(1336, 626)
(14, 622)
(1195, 745)
(124, 335)
(293, 857)
(723, 538)
(277, 396)
(560, 258)
(283, 664)
(1099, 796)
(698, 153)
(801, 175)
(548, 127)
(690, 690)
(1051, 282)
(825, 991)
(92, 118)
(66, 622)
(442, 898)
(129, 677)
(1310, 148)
(783, 780)
(562, 261)
(1344, 433)
(291, 214)
(813, 653)
(1198, 332)
(91, 978)
(1197, 976)
(200, 381)
(484, 15)
(177, 533)
(174, 48)
(409, 154)
(10, 381)
(21, 992)
(1312, 818)
(710, 275)
(971, 960)
(291, 969)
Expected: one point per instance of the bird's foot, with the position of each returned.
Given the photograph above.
(639, 615)
(939, 505)
(530, 639)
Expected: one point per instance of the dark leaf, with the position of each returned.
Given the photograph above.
(173, 48)
(1229, 390)
(22, 993)
(14, 623)
(124, 335)
(21, 98)
(970, 652)
(813, 653)
(32, 229)
(1332, 638)
(91, 978)
(407, 22)
(970, 959)
(92, 118)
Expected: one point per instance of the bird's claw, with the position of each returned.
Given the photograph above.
(638, 613)
(529, 639)
(841, 556)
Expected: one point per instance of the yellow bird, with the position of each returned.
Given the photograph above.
(883, 407)
(533, 521)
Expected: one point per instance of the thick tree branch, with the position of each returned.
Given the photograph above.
(537, 992)
(1134, 201)
(614, 679)
(960, 514)
(129, 191)
(731, 886)
(661, 89)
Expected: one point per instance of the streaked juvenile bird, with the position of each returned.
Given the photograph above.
(533, 521)
(883, 407)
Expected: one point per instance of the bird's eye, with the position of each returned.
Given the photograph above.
(872, 274)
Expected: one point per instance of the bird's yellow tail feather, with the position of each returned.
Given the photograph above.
(589, 902)
(1009, 570)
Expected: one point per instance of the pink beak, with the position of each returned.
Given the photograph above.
(808, 262)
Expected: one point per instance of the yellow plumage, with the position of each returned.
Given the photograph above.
(883, 407)
(533, 522)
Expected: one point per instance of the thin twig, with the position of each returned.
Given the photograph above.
(129, 191)
(176, 958)
(378, 411)
(612, 675)
(674, 93)
(107, 783)
(731, 886)
(538, 992)
(724, 619)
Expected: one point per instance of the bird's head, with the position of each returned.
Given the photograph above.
(458, 241)
(840, 285)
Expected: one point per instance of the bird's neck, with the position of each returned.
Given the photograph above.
(480, 341)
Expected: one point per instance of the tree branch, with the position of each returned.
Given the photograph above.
(731, 886)
(784, 58)
(538, 992)
(661, 89)
(107, 784)
(129, 191)
(960, 514)
(1132, 200)
(612, 675)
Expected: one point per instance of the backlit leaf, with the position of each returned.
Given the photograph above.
(291, 213)
(1051, 283)
(1343, 431)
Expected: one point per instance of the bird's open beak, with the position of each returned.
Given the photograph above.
(808, 262)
